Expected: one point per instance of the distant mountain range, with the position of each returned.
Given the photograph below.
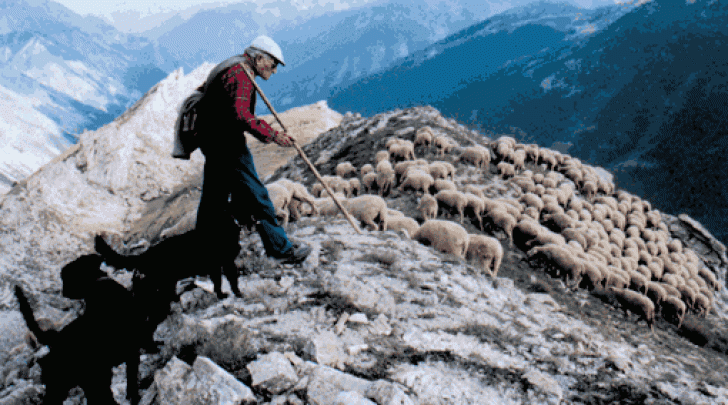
(640, 90)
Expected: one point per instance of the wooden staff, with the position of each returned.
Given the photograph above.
(303, 155)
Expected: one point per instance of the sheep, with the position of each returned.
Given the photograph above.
(401, 168)
(398, 223)
(445, 236)
(636, 303)
(423, 136)
(574, 234)
(477, 155)
(531, 212)
(367, 209)
(501, 219)
(546, 237)
(637, 281)
(509, 204)
(702, 304)
(506, 170)
(478, 206)
(487, 251)
(687, 294)
(428, 207)
(558, 222)
(402, 151)
(592, 277)
(443, 145)
(561, 259)
(381, 156)
(327, 207)
(474, 190)
(344, 169)
(452, 199)
(442, 184)
(655, 292)
(384, 181)
(417, 180)
(367, 168)
(670, 290)
(673, 310)
(442, 170)
(368, 181)
(709, 277)
(391, 141)
(519, 160)
(532, 200)
(354, 187)
(524, 231)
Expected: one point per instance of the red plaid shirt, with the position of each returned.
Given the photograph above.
(241, 95)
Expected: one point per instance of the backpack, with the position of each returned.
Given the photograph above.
(186, 140)
(186, 135)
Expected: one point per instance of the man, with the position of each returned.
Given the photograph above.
(231, 188)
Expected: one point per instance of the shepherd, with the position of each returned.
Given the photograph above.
(232, 190)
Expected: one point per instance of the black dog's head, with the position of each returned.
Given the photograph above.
(78, 275)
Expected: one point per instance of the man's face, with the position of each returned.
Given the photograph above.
(266, 66)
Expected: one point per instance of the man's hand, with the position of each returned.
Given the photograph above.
(284, 140)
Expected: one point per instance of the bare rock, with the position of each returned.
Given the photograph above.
(325, 384)
(351, 398)
(272, 372)
(544, 383)
(327, 349)
(387, 393)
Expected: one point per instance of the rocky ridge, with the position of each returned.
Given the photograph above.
(380, 319)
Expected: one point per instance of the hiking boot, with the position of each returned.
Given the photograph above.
(297, 254)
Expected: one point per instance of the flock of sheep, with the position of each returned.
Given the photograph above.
(569, 219)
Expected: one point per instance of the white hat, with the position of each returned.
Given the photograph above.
(268, 45)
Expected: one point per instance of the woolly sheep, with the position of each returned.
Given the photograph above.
(400, 168)
(402, 151)
(368, 209)
(367, 168)
(381, 156)
(532, 200)
(570, 233)
(506, 170)
(428, 207)
(355, 187)
(368, 181)
(636, 303)
(326, 206)
(477, 155)
(398, 223)
(442, 184)
(509, 204)
(519, 160)
(470, 188)
(344, 169)
(501, 219)
(442, 170)
(531, 212)
(638, 281)
(558, 222)
(673, 310)
(452, 199)
(524, 231)
(560, 259)
(445, 236)
(702, 304)
(478, 206)
(391, 141)
(709, 277)
(423, 136)
(487, 251)
(592, 277)
(655, 292)
(687, 294)
(384, 181)
(675, 245)
(417, 180)
(444, 145)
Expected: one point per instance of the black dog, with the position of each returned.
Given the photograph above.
(84, 352)
(160, 267)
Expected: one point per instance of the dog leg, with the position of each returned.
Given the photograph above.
(231, 273)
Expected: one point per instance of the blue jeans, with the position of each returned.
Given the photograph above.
(231, 189)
